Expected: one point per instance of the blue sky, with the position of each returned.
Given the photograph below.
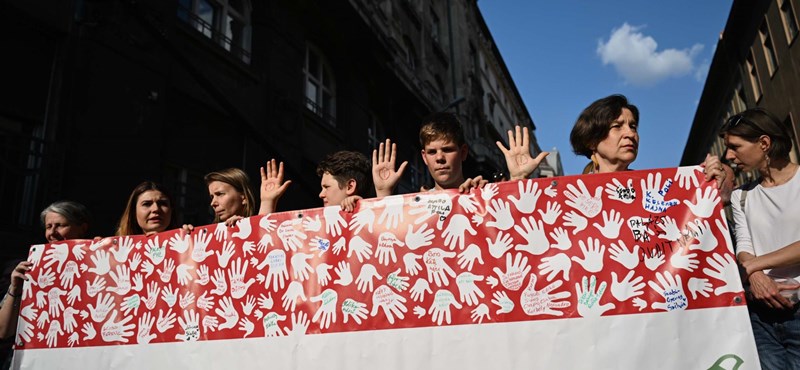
(563, 55)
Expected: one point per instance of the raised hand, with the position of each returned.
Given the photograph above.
(582, 200)
(542, 302)
(554, 265)
(364, 279)
(518, 154)
(592, 260)
(671, 288)
(622, 193)
(589, 298)
(723, 268)
(500, 245)
(326, 313)
(626, 288)
(391, 303)
(468, 291)
(653, 200)
(611, 224)
(440, 308)
(528, 196)
(384, 175)
(272, 186)
(553, 211)
(466, 258)
(292, 294)
(419, 238)
(438, 269)
(625, 257)
(454, 233)
(500, 211)
(355, 309)
(533, 232)
(515, 272)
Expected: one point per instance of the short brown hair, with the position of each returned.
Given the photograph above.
(441, 126)
(127, 223)
(346, 165)
(594, 123)
(239, 180)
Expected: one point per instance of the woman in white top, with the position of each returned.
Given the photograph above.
(767, 227)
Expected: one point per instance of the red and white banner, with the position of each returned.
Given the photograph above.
(625, 270)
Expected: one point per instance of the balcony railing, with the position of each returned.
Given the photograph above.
(213, 33)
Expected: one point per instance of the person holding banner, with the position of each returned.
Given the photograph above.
(62, 220)
(767, 236)
(344, 176)
(231, 197)
(148, 211)
(607, 133)
(444, 150)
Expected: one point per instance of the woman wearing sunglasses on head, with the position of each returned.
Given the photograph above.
(767, 216)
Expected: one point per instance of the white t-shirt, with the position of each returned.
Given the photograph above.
(771, 221)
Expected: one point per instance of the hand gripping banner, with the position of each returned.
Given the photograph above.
(615, 270)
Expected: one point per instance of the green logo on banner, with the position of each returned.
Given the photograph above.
(722, 365)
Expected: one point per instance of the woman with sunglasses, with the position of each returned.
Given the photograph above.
(767, 232)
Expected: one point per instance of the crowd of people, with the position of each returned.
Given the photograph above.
(606, 132)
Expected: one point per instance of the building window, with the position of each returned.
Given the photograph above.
(769, 51)
(320, 86)
(754, 81)
(789, 20)
(226, 22)
(411, 54)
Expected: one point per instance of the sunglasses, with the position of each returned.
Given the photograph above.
(735, 120)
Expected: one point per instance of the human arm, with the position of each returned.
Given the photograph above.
(469, 184)
(763, 288)
(518, 154)
(786, 256)
(349, 203)
(384, 176)
(272, 186)
(9, 310)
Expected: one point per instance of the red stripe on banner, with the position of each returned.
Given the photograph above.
(634, 242)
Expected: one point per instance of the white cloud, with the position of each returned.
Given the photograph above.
(636, 58)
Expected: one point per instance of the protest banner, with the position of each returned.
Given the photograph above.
(623, 270)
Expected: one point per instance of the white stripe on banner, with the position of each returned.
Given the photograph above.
(693, 339)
